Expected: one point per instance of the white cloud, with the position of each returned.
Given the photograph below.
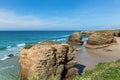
(10, 20)
(8, 17)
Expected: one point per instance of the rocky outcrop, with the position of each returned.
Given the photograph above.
(48, 59)
(75, 38)
(10, 55)
(87, 33)
(116, 33)
(101, 38)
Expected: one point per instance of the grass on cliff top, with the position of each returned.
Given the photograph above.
(107, 31)
(28, 46)
(103, 71)
(50, 42)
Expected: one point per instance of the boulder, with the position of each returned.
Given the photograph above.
(10, 55)
(116, 33)
(75, 38)
(48, 59)
(101, 38)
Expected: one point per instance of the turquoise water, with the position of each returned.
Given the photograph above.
(13, 41)
(8, 67)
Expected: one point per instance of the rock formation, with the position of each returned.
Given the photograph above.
(101, 38)
(10, 55)
(75, 38)
(116, 33)
(87, 33)
(48, 59)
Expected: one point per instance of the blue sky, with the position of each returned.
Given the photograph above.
(59, 14)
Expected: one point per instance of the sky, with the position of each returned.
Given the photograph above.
(59, 14)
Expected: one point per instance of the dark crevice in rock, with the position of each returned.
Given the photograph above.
(64, 73)
(49, 59)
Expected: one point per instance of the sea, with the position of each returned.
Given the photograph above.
(12, 41)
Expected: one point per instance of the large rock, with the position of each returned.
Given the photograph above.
(46, 59)
(101, 38)
(10, 55)
(75, 38)
(116, 33)
(87, 33)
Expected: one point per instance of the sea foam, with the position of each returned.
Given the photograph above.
(4, 58)
(65, 35)
(8, 47)
(19, 45)
(61, 39)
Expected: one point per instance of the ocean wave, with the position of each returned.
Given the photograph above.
(19, 45)
(8, 47)
(61, 39)
(65, 35)
(4, 58)
(7, 67)
(39, 42)
(2, 48)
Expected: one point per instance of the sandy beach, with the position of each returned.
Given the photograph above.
(88, 58)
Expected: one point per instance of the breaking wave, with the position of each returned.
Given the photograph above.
(19, 45)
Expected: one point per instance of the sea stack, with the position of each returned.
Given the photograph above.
(75, 38)
(100, 38)
(48, 59)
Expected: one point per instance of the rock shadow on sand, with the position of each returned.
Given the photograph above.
(80, 67)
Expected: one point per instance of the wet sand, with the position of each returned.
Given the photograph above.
(88, 58)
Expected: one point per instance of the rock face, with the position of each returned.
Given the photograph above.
(46, 59)
(87, 33)
(75, 38)
(116, 33)
(100, 38)
(10, 55)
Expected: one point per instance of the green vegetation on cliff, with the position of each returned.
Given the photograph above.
(103, 71)
(28, 46)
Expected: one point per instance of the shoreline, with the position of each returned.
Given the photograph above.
(90, 57)
(87, 58)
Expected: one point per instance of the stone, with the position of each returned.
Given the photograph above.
(116, 33)
(46, 59)
(71, 73)
(75, 38)
(10, 55)
(101, 38)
